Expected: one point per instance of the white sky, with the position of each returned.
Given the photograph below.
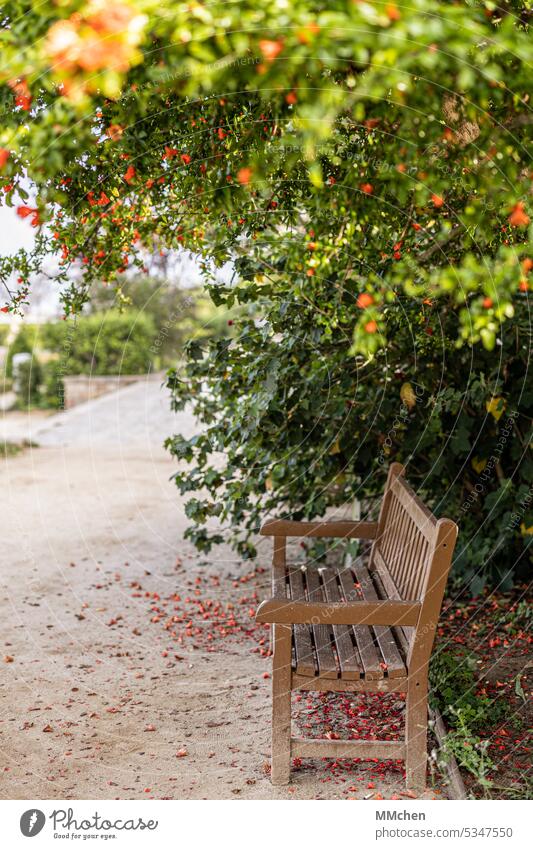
(18, 233)
(15, 232)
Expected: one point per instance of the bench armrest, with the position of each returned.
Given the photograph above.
(347, 530)
(286, 612)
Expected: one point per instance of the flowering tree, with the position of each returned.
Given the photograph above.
(359, 162)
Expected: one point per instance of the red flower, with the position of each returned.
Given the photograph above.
(185, 158)
(130, 173)
(25, 211)
(4, 309)
(371, 327)
(518, 216)
(170, 152)
(367, 188)
(4, 156)
(437, 201)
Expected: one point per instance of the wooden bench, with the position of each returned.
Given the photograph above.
(367, 627)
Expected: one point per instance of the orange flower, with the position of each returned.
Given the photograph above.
(130, 173)
(115, 132)
(25, 211)
(170, 152)
(519, 216)
(367, 188)
(364, 300)
(392, 12)
(487, 303)
(105, 36)
(437, 201)
(270, 49)
(4, 156)
(244, 175)
(291, 98)
(371, 327)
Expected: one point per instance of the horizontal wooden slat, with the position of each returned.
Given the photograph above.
(303, 647)
(349, 659)
(322, 634)
(394, 663)
(382, 749)
(344, 685)
(344, 530)
(362, 634)
(345, 613)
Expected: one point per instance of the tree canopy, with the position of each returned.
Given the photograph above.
(365, 167)
(372, 146)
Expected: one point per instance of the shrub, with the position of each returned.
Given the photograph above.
(303, 427)
(28, 381)
(52, 389)
(103, 343)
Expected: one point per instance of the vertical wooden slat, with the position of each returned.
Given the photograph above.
(395, 471)
(400, 532)
(406, 558)
(416, 565)
(422, 568)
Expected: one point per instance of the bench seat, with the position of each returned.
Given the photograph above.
(347, 652)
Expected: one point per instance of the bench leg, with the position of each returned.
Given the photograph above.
(416, 724)
(281, 705)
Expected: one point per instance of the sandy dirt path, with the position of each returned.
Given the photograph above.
(130, 665)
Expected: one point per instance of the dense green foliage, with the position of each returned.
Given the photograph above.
(305, 427)
(365, 167)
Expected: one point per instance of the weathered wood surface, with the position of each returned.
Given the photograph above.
(367, 627)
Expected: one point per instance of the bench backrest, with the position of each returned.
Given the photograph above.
(403, 553)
